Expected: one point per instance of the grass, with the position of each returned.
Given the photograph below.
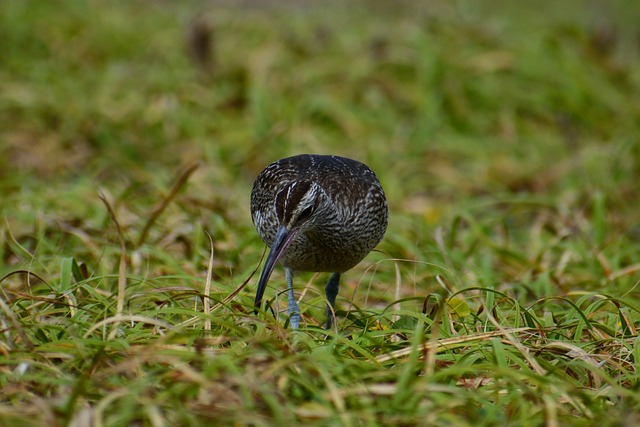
(506, 138)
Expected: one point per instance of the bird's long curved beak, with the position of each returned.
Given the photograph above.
(282, 241)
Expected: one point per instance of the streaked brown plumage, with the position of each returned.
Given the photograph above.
(317, 213)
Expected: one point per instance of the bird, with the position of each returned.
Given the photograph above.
(316, 213)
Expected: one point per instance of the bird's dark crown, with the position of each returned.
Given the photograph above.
(295, 203)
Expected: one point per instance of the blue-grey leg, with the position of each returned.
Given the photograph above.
(331, 291)
(293, 310)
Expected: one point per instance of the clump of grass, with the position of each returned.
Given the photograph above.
(505, 291)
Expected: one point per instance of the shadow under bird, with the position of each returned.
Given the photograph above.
(316, 213)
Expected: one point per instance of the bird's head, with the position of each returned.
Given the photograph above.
(298, 207)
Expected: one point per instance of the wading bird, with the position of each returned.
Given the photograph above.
(316, 213)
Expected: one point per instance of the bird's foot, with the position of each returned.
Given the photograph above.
(294, 320)
(294, 312)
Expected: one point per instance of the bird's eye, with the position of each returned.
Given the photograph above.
(306, 213)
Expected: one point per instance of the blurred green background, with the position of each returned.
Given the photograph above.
(454, 98)
(456, 106)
